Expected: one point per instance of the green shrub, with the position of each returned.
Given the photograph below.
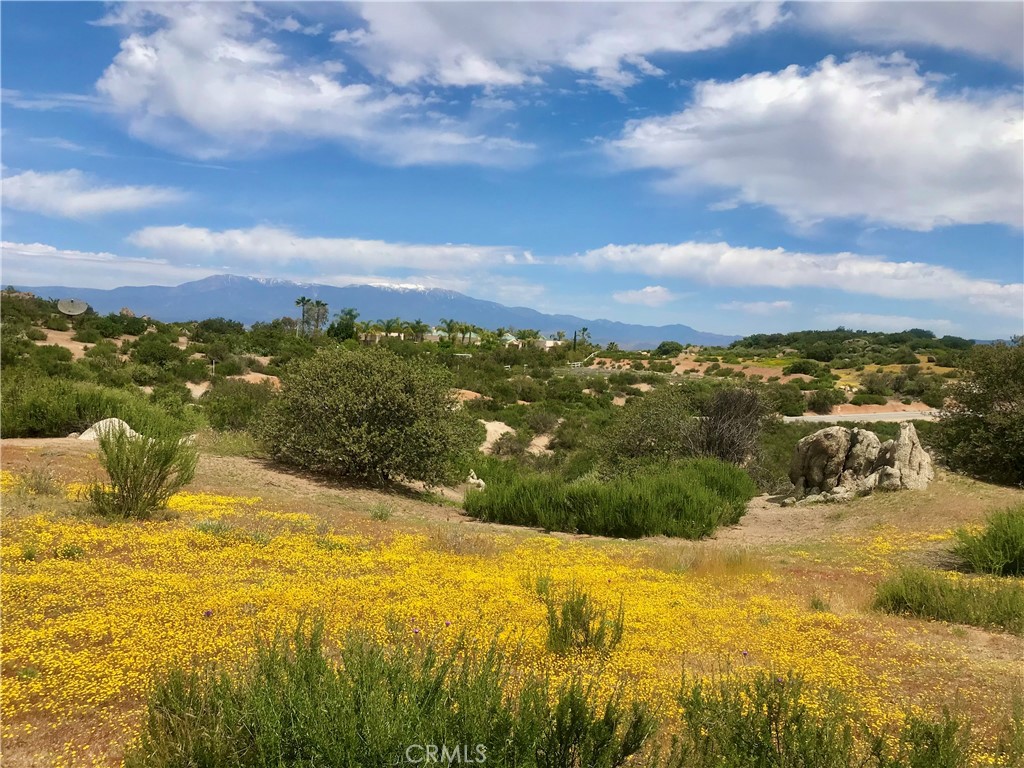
(576, 623)
(294, 706)
(56, 323)
(823, 400)
(862, 398)
(975, 601)
(88, 335)
(370, 415)
(41, 407)
(998, 548)
(144, 470)
(807, 367)
(231, 404)
(777, 721)
(689, 499)
(35, 334)
(381, 511)
(981, 431)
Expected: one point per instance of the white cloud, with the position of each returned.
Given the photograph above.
(862, 321)
(72, 194)
(868, 138)
(514, 44)
(272, 245)
(207, 80)
(992, 30)
(40, 264)
(724, 264)
(758, 307)
(651, 296)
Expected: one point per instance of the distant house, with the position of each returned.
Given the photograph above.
(374, 337)
(508, 340)
(435, 335)
(548, 344)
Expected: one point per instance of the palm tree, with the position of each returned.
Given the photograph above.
(451, 327)
(303, 302)
(418, 329)
(319, 315)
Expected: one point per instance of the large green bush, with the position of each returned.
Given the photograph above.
(982, 427)
(688, 499)
(235, 404)
(369, 415)
(687, 421)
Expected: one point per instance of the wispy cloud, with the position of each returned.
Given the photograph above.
(758, 307)
(74, 195)
(725, 264)
(651, 296)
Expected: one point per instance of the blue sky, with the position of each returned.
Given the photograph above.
(734, 167)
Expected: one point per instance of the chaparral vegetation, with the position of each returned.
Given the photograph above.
(322, 541)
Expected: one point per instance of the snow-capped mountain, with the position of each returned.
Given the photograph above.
(254, 299)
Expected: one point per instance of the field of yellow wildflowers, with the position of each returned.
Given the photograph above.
(93, 611)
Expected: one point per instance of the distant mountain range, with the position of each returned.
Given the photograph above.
(249, 300)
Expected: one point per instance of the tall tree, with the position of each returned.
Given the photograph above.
(318, 315)
(303, 302)
(344, 325)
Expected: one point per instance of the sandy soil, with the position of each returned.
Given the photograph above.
(63, 339)
(258, 378)
(466, 394)
(890, 407)
(198, 390)
(495, 429)
(540, 445)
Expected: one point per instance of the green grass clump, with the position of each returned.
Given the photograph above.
(933, 595)
(999, 548)
(41, 407)
(688, 499)
(145, 471)
(381, 705)
(577, 623)
(768, 721)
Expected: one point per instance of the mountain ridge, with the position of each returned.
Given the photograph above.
(251, 299)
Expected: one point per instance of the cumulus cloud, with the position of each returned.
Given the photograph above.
(727, 265)
(273, 245)
(758, 307)
(515, 44)
(863, 321)
(993, 30)
(651, 296)
(208, 80)
(869, 138)
(74, 195)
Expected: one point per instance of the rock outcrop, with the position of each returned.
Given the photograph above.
(101, 428)
(837, 463)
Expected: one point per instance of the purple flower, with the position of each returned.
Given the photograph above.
(447, 623)
(744, 653)
(415, 630)
(208, 613)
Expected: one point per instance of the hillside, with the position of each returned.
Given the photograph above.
(249, 300)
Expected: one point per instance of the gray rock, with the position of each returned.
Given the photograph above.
(836, 464)
(818, 460)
